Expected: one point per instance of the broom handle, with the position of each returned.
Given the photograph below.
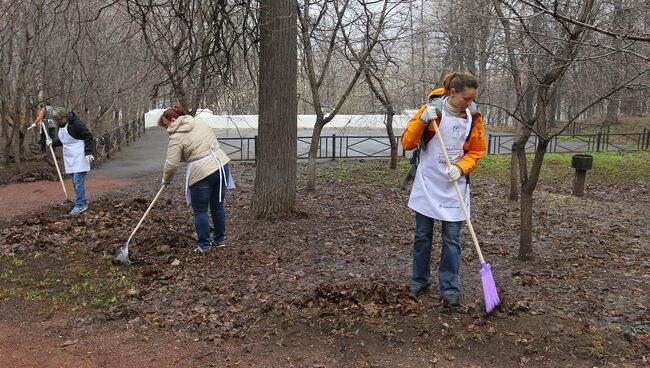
(145, 214)
(460, 196)
(56, 164)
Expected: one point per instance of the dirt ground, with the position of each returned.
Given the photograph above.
(36, 184)
(325, 287)
(19, 198)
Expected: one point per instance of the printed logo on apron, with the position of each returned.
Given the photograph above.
(433, 195)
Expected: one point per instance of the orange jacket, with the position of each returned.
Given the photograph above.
(474, 146)
(39, 118)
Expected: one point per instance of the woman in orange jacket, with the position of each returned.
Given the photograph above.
(45, 121)
(433, 196)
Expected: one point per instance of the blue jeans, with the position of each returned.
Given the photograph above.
(78, 181)
(449, 256)
(205, 194)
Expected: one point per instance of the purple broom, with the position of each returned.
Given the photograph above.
(489, 288)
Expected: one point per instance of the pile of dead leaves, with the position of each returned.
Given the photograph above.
(346, 254)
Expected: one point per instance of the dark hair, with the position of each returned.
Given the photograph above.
(459, 81)
(171, 113)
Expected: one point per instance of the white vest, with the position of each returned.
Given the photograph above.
(433, 195)
(74, 158)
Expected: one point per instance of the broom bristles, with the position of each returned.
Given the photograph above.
(489, 288)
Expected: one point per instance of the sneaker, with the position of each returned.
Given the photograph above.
(200, 249)
(214, 244)
(451, 299)
(416, 292)
(77, 210)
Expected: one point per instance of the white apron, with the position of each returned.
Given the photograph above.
(433, 195)
(74, 157)
(228, 181)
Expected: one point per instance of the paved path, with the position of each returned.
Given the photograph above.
(145, 156)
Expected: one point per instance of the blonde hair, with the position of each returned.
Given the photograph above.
(59, 112)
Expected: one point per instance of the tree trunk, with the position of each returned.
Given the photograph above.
(615, 72)
(6, 137)
(526, 226)
(525, 199)
(17, 149)
(526, 202)
(514, 176)
(612, 112)
(514, 167)
(552, 113)
(275, 181)
(392, 140)
(6, 147)
(313, 152)
(383, 96)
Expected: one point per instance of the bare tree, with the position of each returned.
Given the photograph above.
(564, 43)
(193, 42)
(275, 180)
(378, 87)
(17, 56)
(379, 67)
(322, 31)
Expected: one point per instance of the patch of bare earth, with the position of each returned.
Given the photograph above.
(326, 287)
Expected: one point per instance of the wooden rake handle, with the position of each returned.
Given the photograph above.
(56, 164)
(145, 213)
(460, 195)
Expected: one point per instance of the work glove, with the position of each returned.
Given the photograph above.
(429, 114)
(163, 182)
(90, 158)
(453, 172)
(31, 126)
(48, 141)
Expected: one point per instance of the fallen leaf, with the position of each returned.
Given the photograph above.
(69, 342)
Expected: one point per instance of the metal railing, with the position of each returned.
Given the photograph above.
(594, 142)
(366, 146)
(330, 147)
(119, 137)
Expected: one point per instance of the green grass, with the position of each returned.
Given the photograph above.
(608, 167)
(362, 171)
(74, 285)
(626, 124)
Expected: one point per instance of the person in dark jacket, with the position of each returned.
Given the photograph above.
(78, 152)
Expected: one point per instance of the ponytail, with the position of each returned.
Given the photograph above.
(180, 110)
(459, 81)
(171, 113)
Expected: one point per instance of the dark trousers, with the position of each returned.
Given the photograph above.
(205, 195)
(51, 132)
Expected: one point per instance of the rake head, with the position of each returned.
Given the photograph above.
(122, 255)
(69, 205)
